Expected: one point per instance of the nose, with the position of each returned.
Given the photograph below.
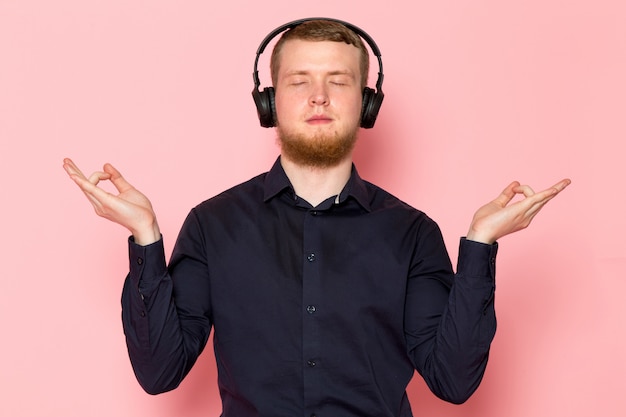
(319, 96)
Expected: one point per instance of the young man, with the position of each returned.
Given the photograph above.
(324, 291)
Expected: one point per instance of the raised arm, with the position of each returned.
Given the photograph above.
(130, 208)
(453, 359)
(161, 346)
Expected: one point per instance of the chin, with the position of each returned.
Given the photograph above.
(322, 148)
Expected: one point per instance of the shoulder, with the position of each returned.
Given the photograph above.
(382, 200)
(396, 210)
(246, 194)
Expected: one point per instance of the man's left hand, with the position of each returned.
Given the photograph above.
(498, 218)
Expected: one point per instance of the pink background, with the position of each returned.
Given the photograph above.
(478, 93)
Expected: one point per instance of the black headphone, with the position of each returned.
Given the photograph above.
(264, 100)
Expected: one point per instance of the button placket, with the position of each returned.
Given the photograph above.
(312, 261)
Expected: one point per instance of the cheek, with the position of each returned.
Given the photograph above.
(284, 111)
(287, 104)
(353, 106)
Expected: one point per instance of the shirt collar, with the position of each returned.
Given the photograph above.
(276, 181)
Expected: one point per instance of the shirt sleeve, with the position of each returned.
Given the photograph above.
(449, 328)
(160, 352)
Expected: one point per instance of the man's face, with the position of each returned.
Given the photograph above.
(318, 101)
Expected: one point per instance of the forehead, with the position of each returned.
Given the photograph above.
(302, 55)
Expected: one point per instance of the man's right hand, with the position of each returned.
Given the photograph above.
(130, 208)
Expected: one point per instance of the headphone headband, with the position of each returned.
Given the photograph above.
(372, 99)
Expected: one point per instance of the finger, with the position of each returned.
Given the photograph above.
(90, 190)
(507, 194)
(117, 179)
(540, 199)
(98, 176)
(525, 189)
(71, 168)
(534, 208)
(88, 187)
(551, 192)
(561, 185)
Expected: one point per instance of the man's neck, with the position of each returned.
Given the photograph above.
(315, 184)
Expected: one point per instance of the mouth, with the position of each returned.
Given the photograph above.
(319, 119)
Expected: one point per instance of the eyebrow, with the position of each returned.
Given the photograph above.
(336, 72)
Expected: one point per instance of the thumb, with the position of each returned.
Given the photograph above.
(507, 194)
(116, 178)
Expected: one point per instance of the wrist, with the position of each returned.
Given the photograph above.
(148, 235)
(479, 237)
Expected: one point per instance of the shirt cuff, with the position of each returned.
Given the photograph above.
(147, 263)
(477, 259)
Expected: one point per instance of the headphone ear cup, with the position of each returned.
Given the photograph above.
(265, 106)
(272, 104)
(371, 105)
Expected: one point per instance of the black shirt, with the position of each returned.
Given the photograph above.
(321, 311)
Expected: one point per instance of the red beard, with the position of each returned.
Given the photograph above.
(318, 151)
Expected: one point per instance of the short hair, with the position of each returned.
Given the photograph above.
(317, 31)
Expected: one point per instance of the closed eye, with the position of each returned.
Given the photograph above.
(296, 81)
(341, 80)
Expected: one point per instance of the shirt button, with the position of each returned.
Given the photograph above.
(311, 309)
(310, 363)
(314, 213)
(140, 261)
(311, 257)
